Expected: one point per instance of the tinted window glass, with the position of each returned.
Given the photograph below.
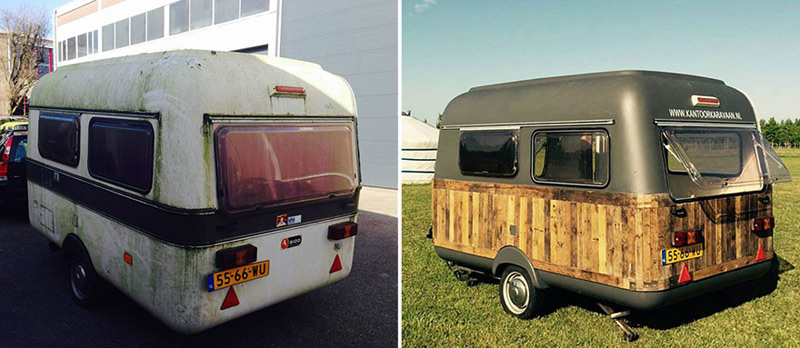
(571, 157)
(71, 49)
(263, 166)
(225, 10)
(155, 24)
(82, 44)
(179, 17)
(138, 29)
(19, 148)
(121, 30)
(254, 6)
(200, 14)
(58, 138)
(488, 153)
(121, 152)
(108, 37)
(94, 42)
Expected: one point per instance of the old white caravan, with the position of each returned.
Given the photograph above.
(204, 185)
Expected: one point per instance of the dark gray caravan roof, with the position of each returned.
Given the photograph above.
(609, 95)
(625, 104)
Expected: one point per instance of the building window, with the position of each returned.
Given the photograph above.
(200, 14)
(225, 10)
(108, 37)
(94, 42)
(155, 24)
(58, 138)
(488, 153)
(179, 17)
(71, 49)
(122, 33)
(571, 157)
(121, 152)
(138, 26)
(250, 7)
(81, 45)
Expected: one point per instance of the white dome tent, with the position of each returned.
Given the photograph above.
(420, 141)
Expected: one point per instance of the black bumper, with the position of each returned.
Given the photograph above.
(651, 300)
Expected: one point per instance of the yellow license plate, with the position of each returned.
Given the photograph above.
(237, 275)
(673, 255)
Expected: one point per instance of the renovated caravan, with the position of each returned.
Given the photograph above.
(635, 188)
(204, 185)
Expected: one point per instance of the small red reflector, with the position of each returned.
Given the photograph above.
(685, 276)
(291, 90)
(760, 255)
(337, 264)
(342, 230)
(128, 258)
(231, 299)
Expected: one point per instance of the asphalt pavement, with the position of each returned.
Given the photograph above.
(37, 309)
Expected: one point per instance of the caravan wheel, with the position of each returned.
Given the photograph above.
(83, 281)
(518, 295)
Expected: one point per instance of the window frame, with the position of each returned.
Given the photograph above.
(76, 120)
(562, 183)
(721, 175)
(151, 148)
(220, 182)
(514, 138)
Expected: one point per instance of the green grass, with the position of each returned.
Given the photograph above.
(438, 310)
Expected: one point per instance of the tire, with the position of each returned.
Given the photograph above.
(518, 295)
(84, 281)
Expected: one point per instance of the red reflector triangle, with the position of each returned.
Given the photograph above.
(337, 264)
(760, 256)
(231, 299)
(685, 276)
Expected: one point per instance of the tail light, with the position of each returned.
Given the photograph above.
(235, 257)
(342, 230)
(687, 237)
(763, 224)
(4, 159)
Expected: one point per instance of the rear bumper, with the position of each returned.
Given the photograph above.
(639, 300)
(651, 300)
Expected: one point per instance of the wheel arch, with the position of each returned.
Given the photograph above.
(510, 255)
(73, 246)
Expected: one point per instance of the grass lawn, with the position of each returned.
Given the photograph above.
(438, 310)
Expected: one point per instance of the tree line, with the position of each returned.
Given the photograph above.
(781, 133)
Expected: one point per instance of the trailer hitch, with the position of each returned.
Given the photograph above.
(627, 331)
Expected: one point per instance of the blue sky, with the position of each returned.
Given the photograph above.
(450, 46)
(45, 5)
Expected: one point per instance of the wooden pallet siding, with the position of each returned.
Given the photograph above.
(610, 238)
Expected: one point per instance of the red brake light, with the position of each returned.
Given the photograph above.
(288, 91)
(235, 257)
(4, 159)
(687, 237)
(342, 230)
(763, 224)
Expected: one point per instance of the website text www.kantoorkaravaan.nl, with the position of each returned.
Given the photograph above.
(711, 114)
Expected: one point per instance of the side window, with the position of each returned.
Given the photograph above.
(121, 152)
(488, 153)
(58, 138)
(571, 157)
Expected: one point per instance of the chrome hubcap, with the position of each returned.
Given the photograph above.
(78, 279)
(516, 293)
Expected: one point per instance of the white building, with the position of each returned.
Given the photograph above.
(356, 39)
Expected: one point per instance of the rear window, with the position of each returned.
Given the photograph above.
(488, 153)
(267, 166)
(19, 148)
(121, 152)
(58, 138)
